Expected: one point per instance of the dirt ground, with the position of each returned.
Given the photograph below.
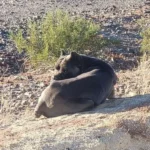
(123, 124)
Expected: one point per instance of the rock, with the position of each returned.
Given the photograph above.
(119, 124)
(27, 94)
(131, 94)
(11, 63)
(32, 104)
(30, 77)
(17, 104)
(24, 102)
(2, 42)
(42, 84)
(19, 96)
(17, 86)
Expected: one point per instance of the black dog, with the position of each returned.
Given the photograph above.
(90, 81)
(72, 65)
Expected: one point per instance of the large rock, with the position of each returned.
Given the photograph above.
(119, 124)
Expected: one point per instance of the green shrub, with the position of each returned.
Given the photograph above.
(56, 31)
(144, 24)
(145, 45)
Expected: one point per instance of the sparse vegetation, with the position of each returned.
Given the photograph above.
(145, 47)
(143, 80)
(134, 127)
(44, 39)
(145, 33)
(144, 67)
(137, 81)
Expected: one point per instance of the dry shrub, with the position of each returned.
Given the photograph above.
(135, 127)
(143, 77)
(135, 82)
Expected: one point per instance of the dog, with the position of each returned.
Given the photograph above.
(69, 66)
(87, 84)
(72, 65)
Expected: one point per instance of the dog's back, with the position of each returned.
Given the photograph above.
(80, 83)
(75, 64)
(75, 94)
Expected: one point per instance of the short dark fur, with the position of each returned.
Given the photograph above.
(83, 63)
(93, 82)
(72, 65)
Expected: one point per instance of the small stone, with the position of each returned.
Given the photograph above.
(89, 3)
(30, 77)
(2, 42)
(24, 102)
(17, 86)
(107, 25)
(27, 94)
(32, 104)
(131, 94)
(41, 84)
(17, 104)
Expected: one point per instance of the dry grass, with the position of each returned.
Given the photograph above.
(4, 102)
(143, 77)
(135, 122)
(135, 82)
(135, 127)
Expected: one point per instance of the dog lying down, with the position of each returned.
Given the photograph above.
(80, 82)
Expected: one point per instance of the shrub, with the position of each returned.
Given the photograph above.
(145, 33)
(145, 45)
(56, 31)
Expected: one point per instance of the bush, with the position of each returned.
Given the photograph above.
(145, 45)
(145, 33)
(46, 38)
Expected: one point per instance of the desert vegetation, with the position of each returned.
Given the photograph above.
(145, 33)
(57, 31)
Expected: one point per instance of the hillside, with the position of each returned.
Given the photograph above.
(122, 123)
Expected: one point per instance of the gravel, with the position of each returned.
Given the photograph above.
(118, 23)
(14, 13)
(115, 16)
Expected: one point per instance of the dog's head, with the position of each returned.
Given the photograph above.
(68, 66)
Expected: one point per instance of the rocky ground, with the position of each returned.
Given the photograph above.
(122, 124)
(118, 24)
(19, 92)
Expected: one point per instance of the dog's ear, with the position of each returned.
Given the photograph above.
(74, 55)
(63, 53)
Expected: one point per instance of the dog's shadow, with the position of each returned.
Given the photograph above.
(121, 104)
